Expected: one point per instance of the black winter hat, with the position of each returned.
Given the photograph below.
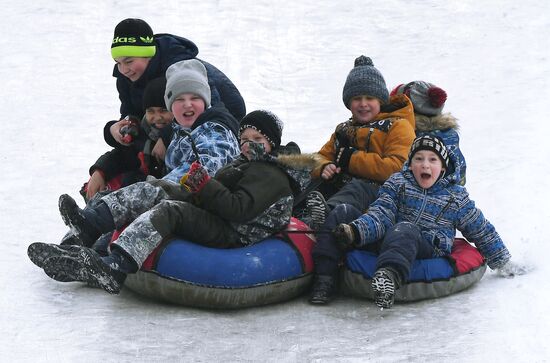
(153, 95)
(364, 79)
(266, 123)
(431, 143)
(133, 38)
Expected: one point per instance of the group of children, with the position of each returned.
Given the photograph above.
(390, 178)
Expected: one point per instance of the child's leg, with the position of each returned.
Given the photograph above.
(128, 203)
(401, 246)
(86, 224)
(326, 253)
(358, 193)
(327, 256)
(174, 218)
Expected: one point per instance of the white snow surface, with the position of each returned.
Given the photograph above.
(290, 57)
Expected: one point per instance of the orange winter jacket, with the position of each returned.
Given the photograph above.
(382, 146)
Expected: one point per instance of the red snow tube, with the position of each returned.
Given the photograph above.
(429, 278)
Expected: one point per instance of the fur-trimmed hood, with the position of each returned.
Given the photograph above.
(439, 122)
(298, 167)
(300, 161)
(444, 126)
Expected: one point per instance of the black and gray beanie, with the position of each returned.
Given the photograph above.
(187, 76)
(266, 123)
(364, 79)
(431, 143)
(153, 95)
(133, 38)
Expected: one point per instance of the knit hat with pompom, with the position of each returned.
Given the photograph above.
(364, 79)
(427, 99)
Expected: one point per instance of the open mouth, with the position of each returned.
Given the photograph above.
(189, 114)
(425, 176)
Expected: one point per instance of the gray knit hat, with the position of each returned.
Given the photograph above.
(187, 76)
(364, 79)
(427, 99)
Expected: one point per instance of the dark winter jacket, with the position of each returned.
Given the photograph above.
(438, 211)
(444, 126)
(214, 134)
(172, 49)
(255, 197)
(135, 159)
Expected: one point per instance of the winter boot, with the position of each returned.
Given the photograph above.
(384, 283)
(317, 209)
(323, 290)
(85, 224)
(69, 239)
(87, 266)
(39, 252)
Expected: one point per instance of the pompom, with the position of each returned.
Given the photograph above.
(437, 96)
(363, 61)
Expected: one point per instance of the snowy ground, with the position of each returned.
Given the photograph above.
(291, 57)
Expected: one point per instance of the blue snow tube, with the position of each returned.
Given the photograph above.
(273, 270)
(429, 278)
(271, 260)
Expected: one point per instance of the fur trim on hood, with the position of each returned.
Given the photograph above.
(300, 161)
(439, 122)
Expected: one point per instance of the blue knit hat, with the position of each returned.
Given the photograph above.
(364, 79)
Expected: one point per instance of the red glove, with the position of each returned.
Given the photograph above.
(197, 177)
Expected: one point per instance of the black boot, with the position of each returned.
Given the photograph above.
(87, 266)
(69, 239)
(39, 252)
(317, 209)
(384, 283)
(323, 290)
(87, 224)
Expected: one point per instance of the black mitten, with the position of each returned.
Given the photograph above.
(343, 157)
(344, 235)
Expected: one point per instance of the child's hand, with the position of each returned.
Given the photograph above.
(115, 131)
(159, 150)
(343, 157)
(329, 171)
(344, 236)
(196, 178)
(95, 184)
(511, 269)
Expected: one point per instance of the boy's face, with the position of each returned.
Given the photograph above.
(186, 108)
(364, 108)
(158, 116)
(426, 167)
(250, 135)
(132, 67)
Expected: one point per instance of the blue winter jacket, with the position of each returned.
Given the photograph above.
(439, 211)
(172, 49)
(215, 136)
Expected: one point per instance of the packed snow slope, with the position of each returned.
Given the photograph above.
(290, 57)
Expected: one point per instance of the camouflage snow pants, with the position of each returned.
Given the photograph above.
(155, 214)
